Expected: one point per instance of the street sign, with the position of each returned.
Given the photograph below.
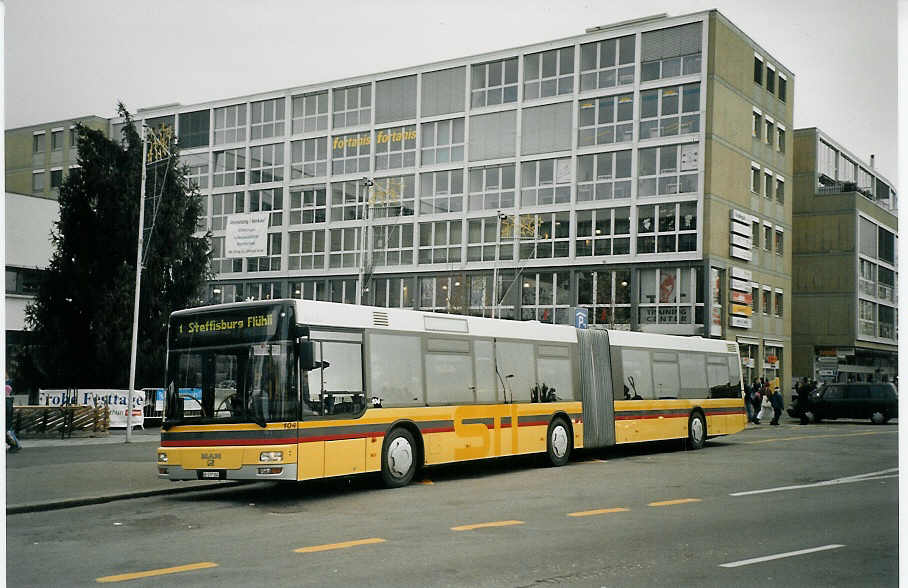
(581, 318)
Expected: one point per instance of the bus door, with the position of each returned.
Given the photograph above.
(333, 392)
(596, 387)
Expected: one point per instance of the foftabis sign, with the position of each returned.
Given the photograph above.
(381, 136)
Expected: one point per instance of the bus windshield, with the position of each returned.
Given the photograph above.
(238, 366)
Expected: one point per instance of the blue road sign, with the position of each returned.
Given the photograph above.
(581, 317)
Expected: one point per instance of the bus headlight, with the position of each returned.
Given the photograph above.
(162, 457)
(267, 456)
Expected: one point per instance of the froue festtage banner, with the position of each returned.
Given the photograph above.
(116, 401)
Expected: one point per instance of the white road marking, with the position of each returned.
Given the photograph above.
(881, 475)
(747, 562)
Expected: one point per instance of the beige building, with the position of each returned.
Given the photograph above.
(845, 306)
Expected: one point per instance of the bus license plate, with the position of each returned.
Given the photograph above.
(209, 475)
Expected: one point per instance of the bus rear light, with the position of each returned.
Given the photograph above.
(270, 471)
(267, 456)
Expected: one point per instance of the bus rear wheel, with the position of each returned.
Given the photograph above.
(559, 443)
(696, 431)
(398, 458)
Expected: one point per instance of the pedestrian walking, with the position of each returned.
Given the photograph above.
(765, 408)
(778, 405)
(756, 400)
(12, 442)
(748, 390)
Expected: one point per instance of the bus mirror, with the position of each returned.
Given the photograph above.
(307, 355)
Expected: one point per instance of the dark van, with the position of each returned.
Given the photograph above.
(877, 402)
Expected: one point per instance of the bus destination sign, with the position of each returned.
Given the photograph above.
(236, 325)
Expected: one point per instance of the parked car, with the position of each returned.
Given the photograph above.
(875, 401)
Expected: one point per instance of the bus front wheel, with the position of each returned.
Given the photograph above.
(559, 443)
(696, 431)
(398, 458)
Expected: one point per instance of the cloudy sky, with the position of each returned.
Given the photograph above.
(70, 58)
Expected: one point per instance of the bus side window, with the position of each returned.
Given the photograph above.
(638, 375)
(344, 394)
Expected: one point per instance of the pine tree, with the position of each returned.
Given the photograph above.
(82, 315)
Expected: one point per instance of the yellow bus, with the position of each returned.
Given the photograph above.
(297, 390)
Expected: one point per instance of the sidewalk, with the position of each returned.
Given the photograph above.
(48, 474)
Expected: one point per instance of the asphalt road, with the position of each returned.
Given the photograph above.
(639, 516)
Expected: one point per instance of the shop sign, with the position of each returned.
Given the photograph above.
(844, 352)
(741, 309)
(740, 272)
(742, 229)
(739, 253)
(741, 217)
(739, 241)
(741, 322)
(247, 235)
(742, 297)
(740, 285)
(748, 362)
(828, 353)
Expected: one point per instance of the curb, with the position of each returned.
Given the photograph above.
(89, 500)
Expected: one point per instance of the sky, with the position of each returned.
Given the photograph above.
(67, 58)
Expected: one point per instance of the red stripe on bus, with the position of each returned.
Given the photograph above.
(651, 416)
(222, 442)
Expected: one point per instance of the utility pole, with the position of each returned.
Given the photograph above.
(135, 311)
(365, 241)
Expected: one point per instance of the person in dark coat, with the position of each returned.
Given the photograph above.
(756, 401)
(778, 405)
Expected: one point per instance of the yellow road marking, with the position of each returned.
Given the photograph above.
(587, 513)
(342, 545)
(673, 502)
(484, 525)
(801, 437)
(159, 572)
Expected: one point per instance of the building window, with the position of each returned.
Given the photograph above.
(607, 295)
(757, 128)
(492, 187)
(886, 315)
(755, 179)
(548, 73)
(306, 250)
(74, 137)
(393, 245)
(780, 242)
(270, 200)
(758, 70)
(886, 246)
(827, 161)
(442, 141)
(606, 120)
(608, 63)
(344, 248)
(352, 106)
(223, 205)
(394, 292)
(56, 179)
(547, 181)
(767, 184)
(755, 234)
(350, 153)
(490, 238)
(755, 298)
(38, 182)
(194, 129)
(309, 158)
(546, 297)
(670, 169)
(395, 147)
(780, 190)
(202, 222)
(767, 237)
(770, 79)
(604, 176)
(867, 318)
(271, 261)
(783, 88)
(393, 196)
(347, 200)
(56, 140)
(770, 130)
(886, 284)
(670, 111)
(669, 296)
(38, 143)
(197, 165)
(220, 263)
(442, 91)
(493, 83)
(307, 205)
(767, 295)
(671, 52)
(309, 112)
(664, 228)
(230, 124)
(441, 192)
(440, 242)
(604, 231)
(780, 133)
(778, 305)
(544, 236)
(266, 163)
(867, 278)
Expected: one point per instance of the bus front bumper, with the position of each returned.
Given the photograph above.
(285, 471)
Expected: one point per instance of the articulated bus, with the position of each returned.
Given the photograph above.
(297, 390)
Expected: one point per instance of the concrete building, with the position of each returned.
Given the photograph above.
(845, 297)
(29, 221)
(38, 157)
(640, 170)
